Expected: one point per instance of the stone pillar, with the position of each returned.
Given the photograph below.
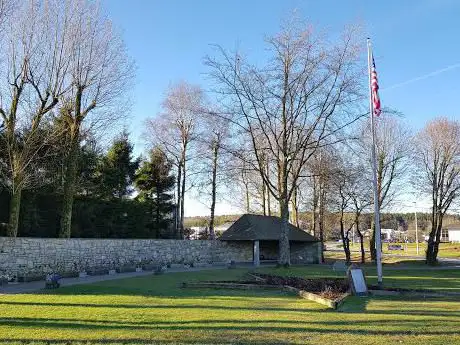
(256, 255)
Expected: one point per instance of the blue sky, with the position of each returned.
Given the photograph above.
(411, 38)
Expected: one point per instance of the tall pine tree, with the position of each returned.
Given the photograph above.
(155, 184)
(116, 169)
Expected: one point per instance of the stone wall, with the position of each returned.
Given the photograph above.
(20, 256)
(301, 252)
(305, 253)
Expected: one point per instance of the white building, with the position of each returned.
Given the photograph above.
(198, 231)
(389, 234)
(453, 233)
(223, 227)
(450, 233)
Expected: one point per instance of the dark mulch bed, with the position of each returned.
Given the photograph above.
(311, 285)
(386, 288)
(332, 288)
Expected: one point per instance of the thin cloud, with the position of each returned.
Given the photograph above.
(426, 76)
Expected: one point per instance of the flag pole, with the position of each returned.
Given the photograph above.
(378, 245)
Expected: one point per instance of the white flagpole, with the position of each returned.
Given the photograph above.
(378, 245)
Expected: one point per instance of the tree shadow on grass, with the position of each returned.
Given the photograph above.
(353, 304)
(211, 324)
(221, 331)
(234, 331)
(142, 341)
(403, 327)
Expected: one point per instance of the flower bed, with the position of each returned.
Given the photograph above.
(331, 288)
(327, 291)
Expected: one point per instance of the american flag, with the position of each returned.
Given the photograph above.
(375, 90)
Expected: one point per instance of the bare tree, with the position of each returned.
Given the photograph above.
(360, 194)
(351, 194)
(340, 185)
(6, 9)
(35, 68)
(293, 101)
(175, 131)
(244, 191)
(321, 167)
(392, 152)
(437, 156)
(297, 195)
(100, 74)
(239, 190)
(212, 143)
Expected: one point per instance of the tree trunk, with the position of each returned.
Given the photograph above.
(284, 258)
(361, 239)
(372, 247)
(15, 208)
(181, 229)
(363, 252)
(314, 209)
(434, 238)
(70, 177)
(263, 199)
(178, 201)
(434, 225)
(247, 198)
(345, 241)
(269, 210)
(438, 239)
(12, 147)
(321, 220)
(70, 174)
(212, 234)
(295, 209)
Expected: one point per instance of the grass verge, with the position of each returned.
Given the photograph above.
(154, 310)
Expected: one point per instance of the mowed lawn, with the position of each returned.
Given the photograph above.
(155, 310)
(446, 250)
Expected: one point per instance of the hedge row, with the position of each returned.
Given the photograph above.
(92, 218)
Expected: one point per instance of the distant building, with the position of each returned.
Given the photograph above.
(389, 234)
(451, 233)
(223, 227)
(201, 231)
(197, 232)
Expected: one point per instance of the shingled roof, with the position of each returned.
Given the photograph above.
(251, 227)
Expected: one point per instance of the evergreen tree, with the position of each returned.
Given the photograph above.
(116, 170)
(89, 158)
(155, 184)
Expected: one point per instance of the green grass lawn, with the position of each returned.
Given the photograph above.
(154, 310)
(446, 250)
